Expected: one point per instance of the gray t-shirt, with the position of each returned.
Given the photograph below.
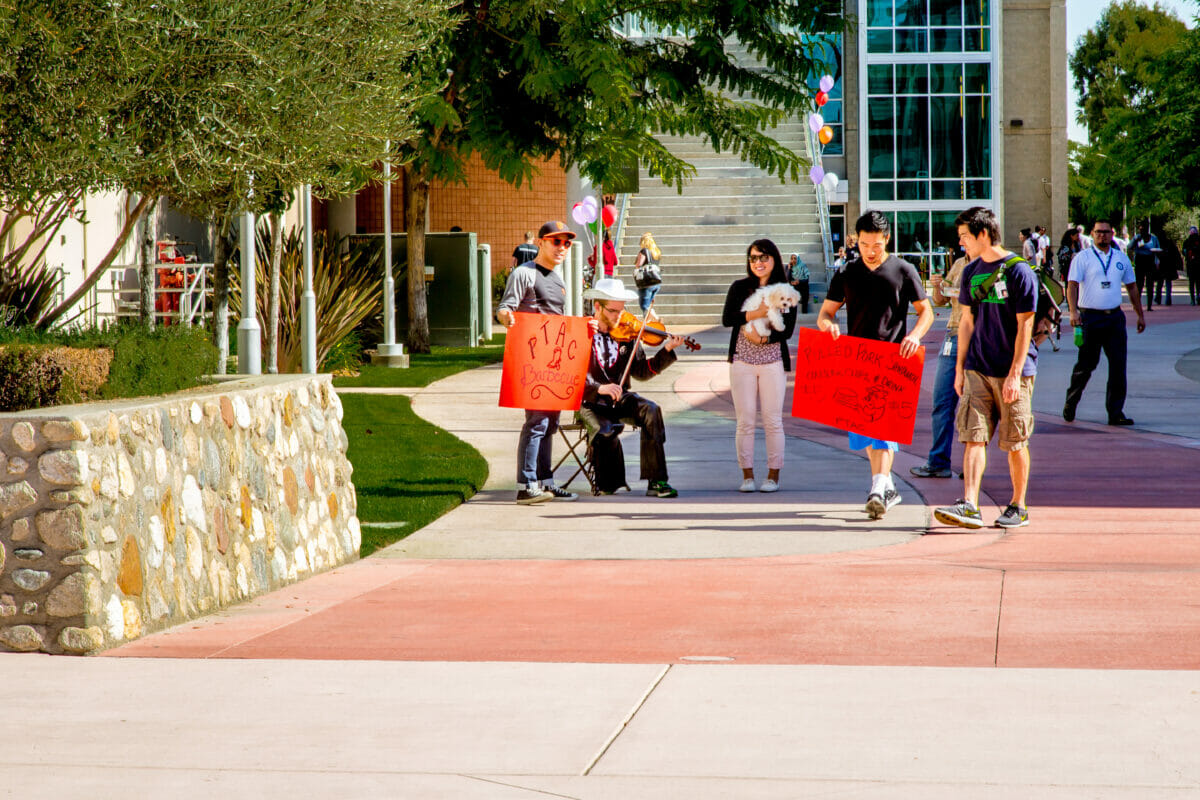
(532, 287)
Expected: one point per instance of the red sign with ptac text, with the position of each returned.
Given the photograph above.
(545, 362)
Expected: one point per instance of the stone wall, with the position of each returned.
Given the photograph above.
(123, 518)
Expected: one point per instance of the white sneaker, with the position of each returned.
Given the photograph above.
(769, 486)
(748, 486)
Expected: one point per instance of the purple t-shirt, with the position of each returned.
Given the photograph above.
(991, 349)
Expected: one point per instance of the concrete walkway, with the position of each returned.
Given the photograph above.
(715, 645)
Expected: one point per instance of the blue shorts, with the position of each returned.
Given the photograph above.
(860, 442)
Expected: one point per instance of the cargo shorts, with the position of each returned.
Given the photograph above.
(982, 412)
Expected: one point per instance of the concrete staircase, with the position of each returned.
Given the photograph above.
(704, 232)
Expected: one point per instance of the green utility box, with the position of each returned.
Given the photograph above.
(451, 284)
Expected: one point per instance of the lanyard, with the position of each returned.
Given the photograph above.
(1104, 264)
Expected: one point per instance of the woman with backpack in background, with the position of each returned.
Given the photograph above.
(1068, 247)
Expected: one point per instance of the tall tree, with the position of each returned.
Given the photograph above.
(534, 80)
(1169, 142)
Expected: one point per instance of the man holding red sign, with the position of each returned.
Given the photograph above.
(877, 290)
(536, 287)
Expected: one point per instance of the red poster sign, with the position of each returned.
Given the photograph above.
(545, 362)
(858, 385)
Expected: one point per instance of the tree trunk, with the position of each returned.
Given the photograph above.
(146, 267)
(416, 206)
(220, 290)
(273, 303)
(131, 221)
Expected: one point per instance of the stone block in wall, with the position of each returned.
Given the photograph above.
(120, 519)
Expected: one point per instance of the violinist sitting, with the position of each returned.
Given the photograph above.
(607, 401)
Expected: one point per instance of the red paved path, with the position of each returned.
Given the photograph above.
(1106, 577)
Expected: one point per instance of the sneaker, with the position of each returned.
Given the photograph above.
(748, 486)
(769, 486)
(660, 489)
(532, 494)
(1068, 413)
(962, 514)
(557, 493)
(926, 471)
(876, 507)
(891, 499)
(1013, 517)
(1121, 420)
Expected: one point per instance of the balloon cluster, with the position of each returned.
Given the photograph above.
(586, 210)
(824, 133)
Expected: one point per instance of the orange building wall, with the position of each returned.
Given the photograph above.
(493, 209)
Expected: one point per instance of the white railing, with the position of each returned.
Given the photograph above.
(181, 294)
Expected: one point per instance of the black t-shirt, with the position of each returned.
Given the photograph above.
(877, 300)
(525, 253)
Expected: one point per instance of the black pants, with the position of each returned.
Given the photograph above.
(802, 288)
(604, 424)
(1144, 269)
(1193, 274)
(1159, 283)
(1102, 330)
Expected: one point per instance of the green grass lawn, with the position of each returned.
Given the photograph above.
(408, 472)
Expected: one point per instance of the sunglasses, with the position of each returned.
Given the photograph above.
(559, 241)
(763, 258)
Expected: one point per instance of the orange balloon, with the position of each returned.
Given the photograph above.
(825, 135)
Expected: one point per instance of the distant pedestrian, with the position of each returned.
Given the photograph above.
(1043, 245)
(525, 252)
(945, 399)
(1068, 247)
(758, 365)
(1169, 264)
(799, 277)
(647, 272)
(1029, 246)
(877, 289)
(997, 362)
(1145, 248)
(1191, 260)
(1085, 241)
(1094, 297)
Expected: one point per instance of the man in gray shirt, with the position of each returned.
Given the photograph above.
(536, 287)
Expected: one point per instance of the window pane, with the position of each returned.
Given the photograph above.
(880, 144)
(912, 190)
(912, 231)
(947, 190)
(977, 40)
(946, 135)
(977, 78)
(912, 79)
(945, 40)
(945, 12)
(911, 41)
(911, 13)
(879, 79)
(976, 12)
(944, 78)
(879, 13)
(979, 190)
(944, 231)
(832, 112)
(978, 135)
(912, 137)
(879, 41)
(881, 190)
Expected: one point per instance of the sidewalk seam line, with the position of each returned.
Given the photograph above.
(625, 722)
(999, 615)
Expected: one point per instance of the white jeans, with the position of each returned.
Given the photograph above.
(753, 385)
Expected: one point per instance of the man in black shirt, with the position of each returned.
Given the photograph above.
(877, 289)
(525, 252)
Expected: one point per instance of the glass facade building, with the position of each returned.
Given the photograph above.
(927, 70)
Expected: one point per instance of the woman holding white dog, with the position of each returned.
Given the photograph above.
(759, 361)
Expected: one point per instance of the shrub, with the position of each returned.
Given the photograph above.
(158, 361)
(30, 379)
(345, 357)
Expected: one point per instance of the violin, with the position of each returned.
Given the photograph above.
(628, 326)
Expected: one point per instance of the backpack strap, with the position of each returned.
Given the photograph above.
(981, 291)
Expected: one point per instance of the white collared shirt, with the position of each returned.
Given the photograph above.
(1088, 270)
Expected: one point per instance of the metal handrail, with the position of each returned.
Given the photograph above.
(619, 236)
(192, 306)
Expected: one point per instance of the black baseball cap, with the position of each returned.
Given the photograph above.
(555, 228)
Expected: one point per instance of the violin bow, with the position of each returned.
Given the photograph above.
(636, 343)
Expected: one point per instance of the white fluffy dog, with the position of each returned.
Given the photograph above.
(779, 297)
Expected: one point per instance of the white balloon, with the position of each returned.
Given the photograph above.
(830, 181)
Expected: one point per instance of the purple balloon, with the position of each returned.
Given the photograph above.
(590, 202)
(826, 83)
(816, 174)
(816, 122)
(579, 214)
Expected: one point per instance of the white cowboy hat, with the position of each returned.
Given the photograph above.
(610, 289)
